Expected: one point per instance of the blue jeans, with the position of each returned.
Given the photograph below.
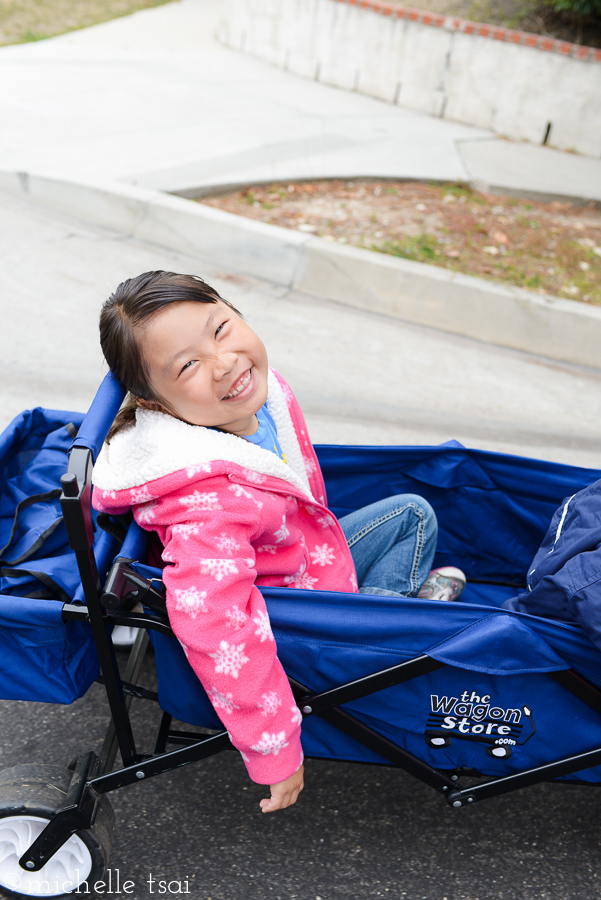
(392, 543)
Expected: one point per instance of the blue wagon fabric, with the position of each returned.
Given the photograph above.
(474, 705)
(42, 657)
(493, 707)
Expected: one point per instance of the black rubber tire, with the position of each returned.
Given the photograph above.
(39, 790)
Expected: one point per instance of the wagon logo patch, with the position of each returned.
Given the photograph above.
(474, 717)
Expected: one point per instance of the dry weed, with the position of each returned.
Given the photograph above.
(33, 20)
(551, 248)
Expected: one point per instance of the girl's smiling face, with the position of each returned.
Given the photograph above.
(207, 365)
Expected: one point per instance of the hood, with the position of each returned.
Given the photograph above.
(159, 444)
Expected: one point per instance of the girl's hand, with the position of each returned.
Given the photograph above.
(284, 793)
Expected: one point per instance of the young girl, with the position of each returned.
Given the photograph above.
(211, 452)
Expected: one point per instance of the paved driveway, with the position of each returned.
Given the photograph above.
(357, 832)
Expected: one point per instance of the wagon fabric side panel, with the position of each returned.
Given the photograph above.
(43, 658)
(493, 509)
(493, 707)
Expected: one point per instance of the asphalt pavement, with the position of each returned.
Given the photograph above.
(357, 832)
(154, 99)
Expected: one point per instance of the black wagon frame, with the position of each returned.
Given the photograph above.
(94, 775)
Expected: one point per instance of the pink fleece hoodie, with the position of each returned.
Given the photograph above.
(232, 516)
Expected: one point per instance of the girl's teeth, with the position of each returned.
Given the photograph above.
(240, 387)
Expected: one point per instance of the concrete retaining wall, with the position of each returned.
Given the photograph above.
(510, 317)
(519, 85)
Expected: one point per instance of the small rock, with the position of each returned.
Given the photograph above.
(307, 227)
(422, 207)
(453, 254)
(449, 198)
(572, 290)
(498, 210)
(500, 237)
(492, 251)
(584, 266)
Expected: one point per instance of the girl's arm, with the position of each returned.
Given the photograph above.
(220, 618)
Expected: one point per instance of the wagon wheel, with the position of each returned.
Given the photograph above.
(29, 797)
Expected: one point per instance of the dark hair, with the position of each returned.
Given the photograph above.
(123, 317)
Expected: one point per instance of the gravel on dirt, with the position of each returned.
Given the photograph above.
(551, 248)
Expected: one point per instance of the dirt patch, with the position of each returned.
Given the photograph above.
(535, 16)
(551, 248)
(33, 20)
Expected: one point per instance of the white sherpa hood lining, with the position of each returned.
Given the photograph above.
(160, 445)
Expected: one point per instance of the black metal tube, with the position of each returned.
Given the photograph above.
(377, 742)
(78, 523)
(579, 687)
(166, 762)
(548, 772)
(132, 672)
(370, 684)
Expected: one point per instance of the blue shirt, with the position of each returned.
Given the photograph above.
(267, 434)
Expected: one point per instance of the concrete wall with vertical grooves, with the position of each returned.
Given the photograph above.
(519, 85)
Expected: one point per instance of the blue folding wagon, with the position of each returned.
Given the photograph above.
(444, 691)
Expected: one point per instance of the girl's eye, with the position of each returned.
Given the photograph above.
(223, 324)
(188, 364)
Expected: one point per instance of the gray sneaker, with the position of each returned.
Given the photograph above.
(442, 584)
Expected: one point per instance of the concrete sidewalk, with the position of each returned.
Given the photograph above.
(360, 377)
(154, 100)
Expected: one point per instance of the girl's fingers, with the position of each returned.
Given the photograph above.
(284, 793)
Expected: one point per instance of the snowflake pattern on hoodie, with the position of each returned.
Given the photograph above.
(228, 525)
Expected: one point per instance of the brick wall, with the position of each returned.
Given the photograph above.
(493, 32)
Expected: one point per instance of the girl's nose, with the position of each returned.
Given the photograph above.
(225, 363)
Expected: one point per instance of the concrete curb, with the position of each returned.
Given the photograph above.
(510, 317)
